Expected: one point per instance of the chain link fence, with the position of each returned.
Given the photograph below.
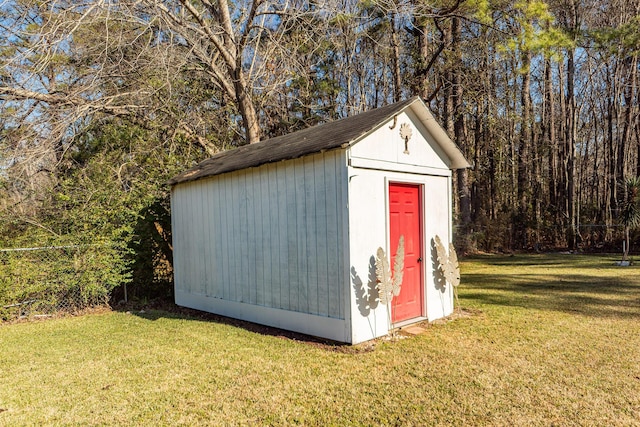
(44, 281)
(499, 237)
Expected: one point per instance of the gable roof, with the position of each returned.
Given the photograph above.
(340, 133)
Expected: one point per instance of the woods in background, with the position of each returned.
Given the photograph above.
(102, 101)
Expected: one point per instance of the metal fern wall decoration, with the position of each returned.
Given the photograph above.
(398, 268)
(383, 274)
(389, 285)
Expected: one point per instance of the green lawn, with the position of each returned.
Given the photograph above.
(544, 340)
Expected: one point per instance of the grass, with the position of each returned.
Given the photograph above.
(550, 340)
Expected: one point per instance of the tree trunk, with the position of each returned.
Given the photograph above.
(247, 111)
(570, 142)
(422, 75)
(459, 131)
(552, 144)
(524, 153)
(610, 156)
(395, 60)
(631, 65)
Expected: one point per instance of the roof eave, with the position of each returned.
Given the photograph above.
(456, 158)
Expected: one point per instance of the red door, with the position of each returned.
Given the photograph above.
(405, 219)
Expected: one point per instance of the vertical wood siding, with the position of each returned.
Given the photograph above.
(271, 236)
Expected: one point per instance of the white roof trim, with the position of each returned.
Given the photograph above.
(458, 161)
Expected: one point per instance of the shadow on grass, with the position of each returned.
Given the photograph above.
(168, 310)
(549, 260)
(571, 293)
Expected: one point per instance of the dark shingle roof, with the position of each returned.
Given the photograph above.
(307, 141)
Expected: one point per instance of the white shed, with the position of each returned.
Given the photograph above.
(284, 232)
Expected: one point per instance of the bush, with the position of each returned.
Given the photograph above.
(49, 279)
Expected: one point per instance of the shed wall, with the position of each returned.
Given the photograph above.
(272, 236)
(378, 159)
(369, 229)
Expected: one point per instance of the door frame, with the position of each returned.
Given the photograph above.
(421, 202)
